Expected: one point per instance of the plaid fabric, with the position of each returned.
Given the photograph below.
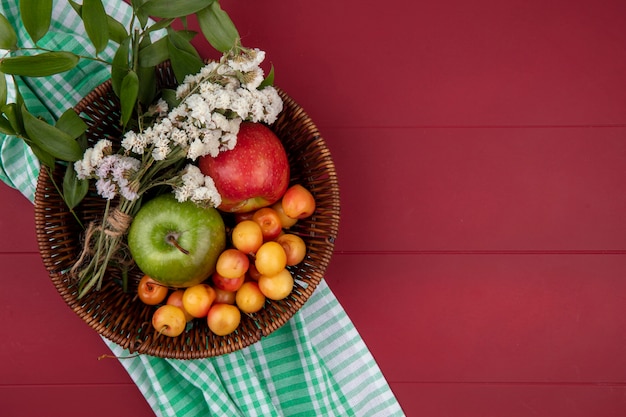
(315, 365)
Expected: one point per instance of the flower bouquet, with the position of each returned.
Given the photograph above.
(141, 135)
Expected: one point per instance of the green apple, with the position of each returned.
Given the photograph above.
(177, 244)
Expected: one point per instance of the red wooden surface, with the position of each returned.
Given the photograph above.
(481, 149)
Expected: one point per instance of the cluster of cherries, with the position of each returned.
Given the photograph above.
(251, 270)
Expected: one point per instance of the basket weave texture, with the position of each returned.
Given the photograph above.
(120, 316)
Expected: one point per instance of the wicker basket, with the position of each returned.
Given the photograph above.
(121, 317)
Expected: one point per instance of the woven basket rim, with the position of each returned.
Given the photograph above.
(56, 236)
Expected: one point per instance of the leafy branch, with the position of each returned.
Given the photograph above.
(132, 68)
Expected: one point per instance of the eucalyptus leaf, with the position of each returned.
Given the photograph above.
(183, 62)
(74, 189)
(8, 37)
(96, 23)
(217, 27)
(51, 139)
(120, 66)
(169, 8)
(40, 65)
(128, 95)
(5, 126)
(71, 123)
(36, 17)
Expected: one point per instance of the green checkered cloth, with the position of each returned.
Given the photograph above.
(315, 365)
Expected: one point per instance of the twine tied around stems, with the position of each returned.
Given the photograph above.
(113, 228)
(118, 223)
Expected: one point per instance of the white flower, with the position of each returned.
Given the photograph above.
(241, 103)
(159, 153)
(193, 176)
(125, 165)
(179, 137)
(92, 158)
(214, 102)
(83, 167)
(247, 61)
(100, 149)
(182, 90)
(196, 149)
(159, 108)
(274, 106)
(257, 111)
(200, 111)
(208, 69)
(229, 141)
(106, 188)
(253, 78)
(197, 187)
(223, 98)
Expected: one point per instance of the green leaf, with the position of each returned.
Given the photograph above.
(120, 66)
(5, 126)
(77, 7)
(96, 23)
(74, 190)
(71, 123)
(147, 85)
(268, 81)
(158, 52)
(169, 8)
(183, 56)
(128, 96)
(161, 24)
(182, 41)
(154, 53)
(3, 89)
(36, 16)
(170, 98)
(44, 157)
(117, 31)
(14, 118)
(40, 65)
(8, 37)
(51, 139)
(217, 27)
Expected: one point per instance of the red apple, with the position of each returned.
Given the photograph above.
(254, 174)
